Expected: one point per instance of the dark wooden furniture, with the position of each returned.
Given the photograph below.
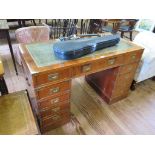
(127, 26)
(111, 73)
(85, 26)
(16, 116)
(110, 25)
(62, 27)
(3, 86)
(5, 28)
(21, 23)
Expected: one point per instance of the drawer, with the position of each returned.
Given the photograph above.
(133, 56)
(84, 69)
(54, 101)
(114, 61)
(52, 119)
(123, 79)
(128, 68)
(52, 77)
(53, 89)
(53, 125)
(64, 106)
(122, 84)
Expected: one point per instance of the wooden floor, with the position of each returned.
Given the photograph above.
(89, 113)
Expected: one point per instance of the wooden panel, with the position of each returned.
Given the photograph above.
(53, 89)
(54, 101)
(122, 84)
(128, 68)
(134, 56)
(124, 79)
(52, 77)
(63, 106)
(53, 119)
(103, 81)
(53, 125)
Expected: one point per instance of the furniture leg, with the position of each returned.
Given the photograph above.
(23, 23)
(11, 50)
(130, 35)
(34, 22)
(133, 85)
(122, 34)
(3, 87)
(19, 23)
(153, 78)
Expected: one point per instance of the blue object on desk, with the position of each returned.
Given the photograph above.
(72, 49)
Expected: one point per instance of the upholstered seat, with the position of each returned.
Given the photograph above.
(30, 35)
(146, 67)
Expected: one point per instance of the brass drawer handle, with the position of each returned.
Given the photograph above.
(54, 90)
(54, 101)
(112, 61)
(127, 76)
(55, 117)
(133, 57)
(86, 68)
(56, 109)
(52, 77)
(130, 68)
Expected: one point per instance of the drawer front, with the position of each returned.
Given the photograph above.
(54, 101)
(53, 119)
(128, 68)
(84, 69)
(122, 84)
(124, 79)
(133, 56)
(52, 77)
(53, 125)
(114, 61)
(53, 89)
(64, 106)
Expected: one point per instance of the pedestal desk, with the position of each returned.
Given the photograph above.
(110, 71)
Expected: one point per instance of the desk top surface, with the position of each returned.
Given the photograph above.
(40, 57)
(4, 24)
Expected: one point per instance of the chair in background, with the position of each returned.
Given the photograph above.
(110, 25)
(62, 27)
(90, 26)
(127, 26)
(3, 87)
(32, 34)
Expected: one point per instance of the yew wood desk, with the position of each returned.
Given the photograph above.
(110, 71)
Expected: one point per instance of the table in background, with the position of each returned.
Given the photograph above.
(5, 28)
(109, 71)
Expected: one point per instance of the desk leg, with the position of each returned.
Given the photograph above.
(11, 50)
(3, 87)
